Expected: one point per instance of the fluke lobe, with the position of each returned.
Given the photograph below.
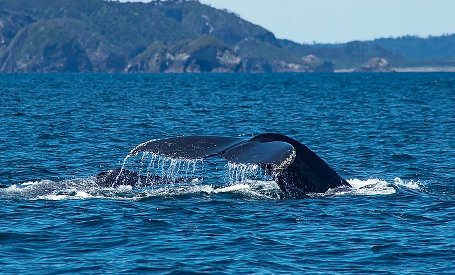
(296, 169)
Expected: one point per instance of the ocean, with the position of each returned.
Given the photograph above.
(392, 136)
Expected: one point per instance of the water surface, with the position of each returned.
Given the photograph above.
(391, 135)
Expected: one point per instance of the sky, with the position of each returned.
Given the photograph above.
(332, 21)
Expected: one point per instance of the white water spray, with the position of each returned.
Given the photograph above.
(239, 172)
(121, 169)
(158, 169)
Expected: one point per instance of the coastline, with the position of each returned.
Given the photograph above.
(407, 70)
(424, 69)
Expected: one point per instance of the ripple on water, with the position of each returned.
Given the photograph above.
(254, 189)
(390, 134)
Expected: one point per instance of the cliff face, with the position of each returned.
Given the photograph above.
(377, 65)
(45, 46)
(204, 54)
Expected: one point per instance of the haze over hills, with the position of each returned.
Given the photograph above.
(183, 36)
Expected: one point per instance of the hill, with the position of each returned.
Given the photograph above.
(406, 51)
(161, 36)
(180, 36)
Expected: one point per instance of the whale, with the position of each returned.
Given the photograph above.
(296, 169)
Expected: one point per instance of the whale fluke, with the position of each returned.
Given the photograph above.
(296, 169)
(191, 147)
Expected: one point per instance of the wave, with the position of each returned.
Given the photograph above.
(375, 186)
(255, 189)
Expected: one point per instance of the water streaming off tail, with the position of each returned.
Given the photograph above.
(157, 169)
(239, 172)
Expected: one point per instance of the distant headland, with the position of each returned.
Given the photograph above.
(178, 36)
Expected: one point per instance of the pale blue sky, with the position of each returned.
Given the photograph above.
(344, 20)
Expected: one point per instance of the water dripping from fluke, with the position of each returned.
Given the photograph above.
(240, 173)
(150, 169)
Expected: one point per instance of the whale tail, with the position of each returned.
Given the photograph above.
(296, 169)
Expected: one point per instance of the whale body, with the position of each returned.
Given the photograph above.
(296, 169)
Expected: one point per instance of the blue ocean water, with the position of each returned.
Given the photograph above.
(391, 135)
